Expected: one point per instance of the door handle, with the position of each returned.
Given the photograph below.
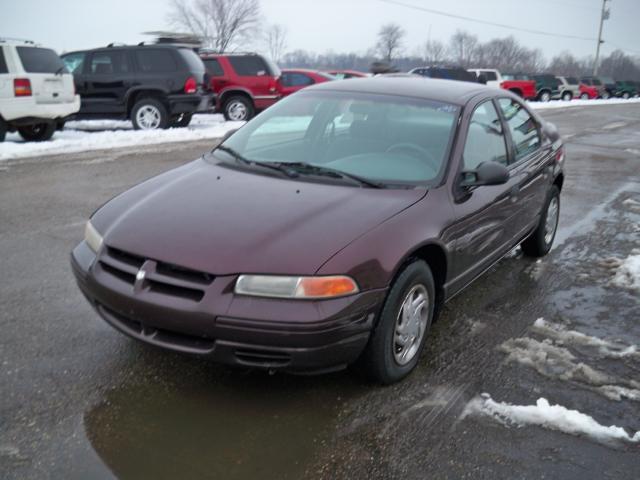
(514, 192)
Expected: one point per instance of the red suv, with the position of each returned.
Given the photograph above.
(244, 83)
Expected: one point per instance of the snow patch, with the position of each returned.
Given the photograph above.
(550, 417)
(91, 135)
(562, 334)
(581, 103)
(628, 273)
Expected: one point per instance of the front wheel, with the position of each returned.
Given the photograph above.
(539, 242)
(605, 95)
(584, 96)
(149, 114)
(399, 337)
(626, 95)
(38, 132)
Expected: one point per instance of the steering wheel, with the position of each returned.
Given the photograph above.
(415, 151)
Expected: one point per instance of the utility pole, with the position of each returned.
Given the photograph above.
(603, 16)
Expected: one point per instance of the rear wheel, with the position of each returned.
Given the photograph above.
(238, 108)
(539, 242)
(626, 95)
(38, 132)
(397, 341)
(3, 129)
(149, 114)
(544, 96)
(584, 96)
(182, 120)
(605, 95)
(567, 96)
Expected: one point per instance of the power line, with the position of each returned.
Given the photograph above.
(485, 22)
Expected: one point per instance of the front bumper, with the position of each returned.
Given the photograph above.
(290, 335)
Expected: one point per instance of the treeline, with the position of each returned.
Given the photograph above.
(464, 49)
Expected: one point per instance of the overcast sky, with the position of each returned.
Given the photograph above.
(338, 25)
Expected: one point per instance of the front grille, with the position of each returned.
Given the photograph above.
(159, 277)
(159, 336)
(262, 358)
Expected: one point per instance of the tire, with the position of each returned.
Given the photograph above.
(238, 108)
(544, 96)
(60, 125)
(567, 96)
(626, 95)
(182, 121)
(39, 132)
(584, 96)
(149, 114)
(539, 242)
(3, 130)
(383, 357)
(605, 95)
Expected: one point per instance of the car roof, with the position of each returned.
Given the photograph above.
(449, 91)
(130, 47)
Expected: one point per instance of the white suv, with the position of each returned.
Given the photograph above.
(37, 93)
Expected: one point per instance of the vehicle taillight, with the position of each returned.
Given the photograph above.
(22, 87)
(273, 84)
(560, 155)
(190, 86)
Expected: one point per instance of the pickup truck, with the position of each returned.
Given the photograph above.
(522, 87)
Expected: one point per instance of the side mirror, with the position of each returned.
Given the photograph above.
(487, 173)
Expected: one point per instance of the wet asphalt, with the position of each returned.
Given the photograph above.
(79, 400)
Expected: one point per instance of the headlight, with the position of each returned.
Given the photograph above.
(295, 287)
(92, 237)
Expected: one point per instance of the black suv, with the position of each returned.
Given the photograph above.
(156, 86)
(547, 87)
(446, 73)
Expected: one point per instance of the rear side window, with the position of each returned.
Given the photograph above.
(40, 60)
(3, 64)
(490, 76)
(155, 61)
(572, 81)
(250, 66)
(485, 139)
(109, 63)
(523, 128)
(74, 62)
(193, 61)
(213, 67)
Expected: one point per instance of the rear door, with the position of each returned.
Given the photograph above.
(108, 76)
(485, 216)
(529, 164)
(255, 74)
(50, 81)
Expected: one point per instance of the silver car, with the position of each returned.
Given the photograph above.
(569, 88)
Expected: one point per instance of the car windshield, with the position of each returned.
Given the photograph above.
(381, 138)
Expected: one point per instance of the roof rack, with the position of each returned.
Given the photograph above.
(213, 50)
(116, 44)
(12, 39)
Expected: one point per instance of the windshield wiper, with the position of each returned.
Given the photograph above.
(332, 172)
(270, 165)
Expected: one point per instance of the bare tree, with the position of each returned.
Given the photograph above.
(462, 48)
(221, 24)
(276, 40)
(390, 39)
(434, 51)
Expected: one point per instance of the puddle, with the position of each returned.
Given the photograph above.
(247, 426)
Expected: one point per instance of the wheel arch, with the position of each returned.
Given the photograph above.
(559, 181)
(134, 95)
(224, 96)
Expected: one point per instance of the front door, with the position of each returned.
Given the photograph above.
(108, 76)
(485, 223)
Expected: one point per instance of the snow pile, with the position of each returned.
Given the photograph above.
(561, 334)
(581, 103)
(90, 135)
(628, 273)
(559, 363)
(551, 417)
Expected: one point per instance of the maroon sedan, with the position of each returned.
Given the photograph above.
(329, 229)
(293, 79)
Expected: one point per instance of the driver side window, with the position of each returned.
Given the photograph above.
(485, 138)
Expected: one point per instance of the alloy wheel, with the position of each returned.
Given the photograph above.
(551, 222)
(411, 324)
(148, 117)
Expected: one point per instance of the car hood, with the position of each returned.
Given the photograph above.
(220, 220)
